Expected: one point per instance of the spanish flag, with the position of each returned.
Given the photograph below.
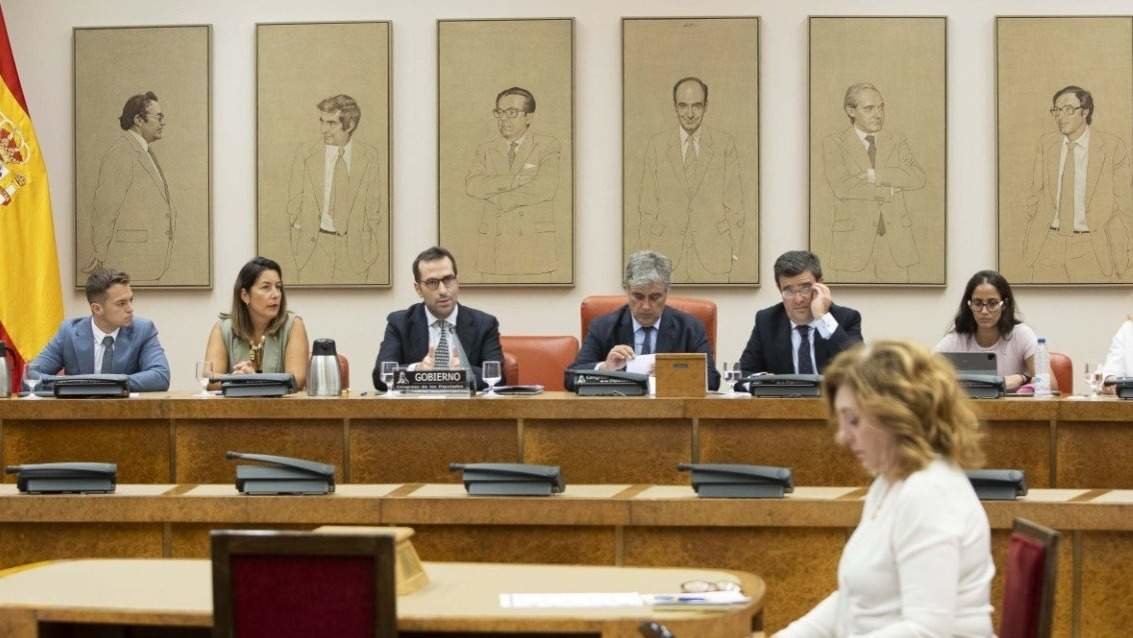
(31, 302)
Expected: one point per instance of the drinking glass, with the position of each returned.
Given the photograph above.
(203, 372)
(389, 368)
(728, 377)
(1095, 377)
(492, 374)
(31, 379)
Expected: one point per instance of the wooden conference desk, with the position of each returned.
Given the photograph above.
(459, 597)
(793, 544)
(182, 439)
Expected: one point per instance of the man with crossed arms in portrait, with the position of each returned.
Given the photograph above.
(1078, 209)
(334, 200)
(516, 178)
(868, 170)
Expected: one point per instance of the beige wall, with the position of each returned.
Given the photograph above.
(1078, 322)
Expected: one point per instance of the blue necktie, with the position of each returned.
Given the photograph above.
(646, 345)
(805, 364)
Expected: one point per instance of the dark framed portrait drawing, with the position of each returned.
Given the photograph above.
(142, 154)
(323, 142)
(878, 149)
(690, 145)
(1064, 123)
(505, 149)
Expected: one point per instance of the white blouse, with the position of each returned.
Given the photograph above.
(1119, 359)
(918, 565)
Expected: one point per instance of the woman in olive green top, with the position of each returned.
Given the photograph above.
(259, 335)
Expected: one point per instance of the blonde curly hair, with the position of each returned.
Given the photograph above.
(913, 394)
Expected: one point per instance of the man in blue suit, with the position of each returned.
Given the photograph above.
(111, 341)
(644, 325)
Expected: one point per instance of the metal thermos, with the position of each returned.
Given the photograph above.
(5, 372)
(323, 377)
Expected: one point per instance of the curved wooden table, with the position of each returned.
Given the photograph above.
(459, 597)
(174, 438)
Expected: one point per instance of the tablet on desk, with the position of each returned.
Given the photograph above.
(972, 362)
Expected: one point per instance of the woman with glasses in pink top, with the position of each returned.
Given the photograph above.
(986, 322)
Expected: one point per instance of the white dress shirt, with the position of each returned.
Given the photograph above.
(454, 347)
(1081, 161)
(917, 566)
(825, 325)
(330, 158)
(99, 349)
(145, 147)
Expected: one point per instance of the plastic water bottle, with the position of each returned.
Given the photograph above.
(1042, 370)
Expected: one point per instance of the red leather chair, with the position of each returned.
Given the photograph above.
(343, 370)
(511, 366)
(300, 584)
(541, 359)
(1028, 590)
(595, 306)
(1062, 369)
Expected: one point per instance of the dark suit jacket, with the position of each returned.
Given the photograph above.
(679, 332)
(769, 347)
(407, 340)
(137, 353)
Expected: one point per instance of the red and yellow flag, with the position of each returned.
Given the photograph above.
(31, 302)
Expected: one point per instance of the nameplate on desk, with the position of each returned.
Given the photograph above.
(432, 382)
(610, 383)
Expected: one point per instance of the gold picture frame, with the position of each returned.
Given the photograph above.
(878, 179)
(690, 164)
(507, 210)
(323, 149)
(143, 191)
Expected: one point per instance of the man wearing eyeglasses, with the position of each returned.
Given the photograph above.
(1079, 206)
(334, 203)
(132, 216)
(869, 169)
(438, 332)
(515, 178)
(802, 334)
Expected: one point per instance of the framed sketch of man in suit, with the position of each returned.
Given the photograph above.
(1065, 201)
(878, 149)
(869, 169)
(323, 151)
(505, 149)
(142, 154)
(690, 145)
(516, 177)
